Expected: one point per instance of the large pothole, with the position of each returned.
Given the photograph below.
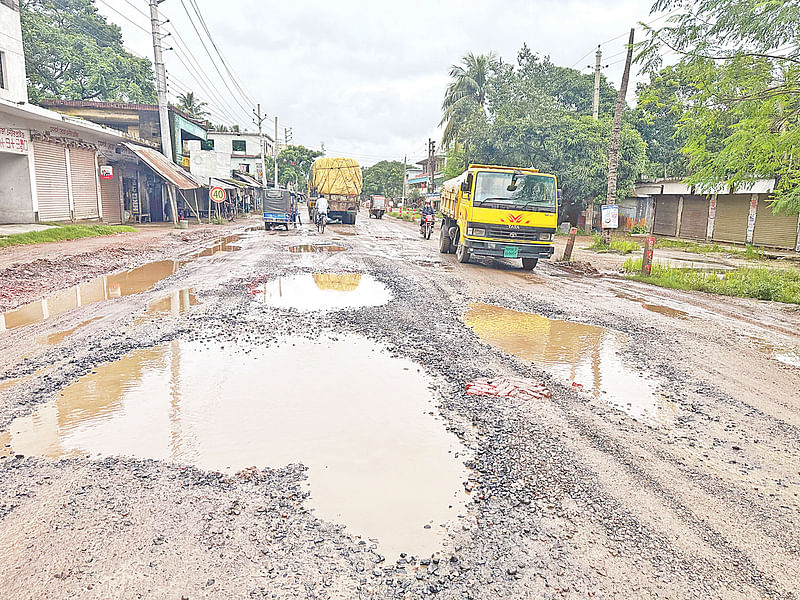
(380, 459)
(322, 291)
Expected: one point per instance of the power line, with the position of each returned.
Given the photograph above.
(127, 18)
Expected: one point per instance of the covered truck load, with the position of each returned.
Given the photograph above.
(339, 180)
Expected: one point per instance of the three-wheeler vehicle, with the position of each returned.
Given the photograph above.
(278, 208)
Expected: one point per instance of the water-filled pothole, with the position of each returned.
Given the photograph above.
(586, 355)
(322, 291)
(361, 420)
(656, 308)
(105, 288)
(316, 248)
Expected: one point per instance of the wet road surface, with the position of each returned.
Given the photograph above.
(284, 415)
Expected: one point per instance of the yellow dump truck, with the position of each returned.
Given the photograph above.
(507, 212)
(339, 180)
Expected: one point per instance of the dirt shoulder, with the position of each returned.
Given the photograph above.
(31, 272)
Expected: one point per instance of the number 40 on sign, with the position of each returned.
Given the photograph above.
(217, 194)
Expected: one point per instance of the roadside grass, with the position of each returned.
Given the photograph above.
(750, 252)
(777, 285)
(617, 245)
(61, 233)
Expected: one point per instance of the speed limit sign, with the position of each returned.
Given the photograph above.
(217, 194)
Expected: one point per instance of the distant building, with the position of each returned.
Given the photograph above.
(13, 80)
(139, 122)
(244, 150)
(421, 178)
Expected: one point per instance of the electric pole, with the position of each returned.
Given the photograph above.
(258, 121)
(613, 151)
(405, 177)
(596, 101)
(275, 153)
(432, 165)
(161, 79)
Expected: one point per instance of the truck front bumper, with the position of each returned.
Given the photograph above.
(498, 249)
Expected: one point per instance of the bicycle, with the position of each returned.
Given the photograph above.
(321, 219)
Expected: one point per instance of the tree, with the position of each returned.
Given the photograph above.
(742, 121)
(192, 105)
(294, 165)
(384, 178)
(466, 93)
(73, 53)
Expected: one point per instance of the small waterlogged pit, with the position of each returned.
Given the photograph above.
(106, 287)
(302, 248)
(587, 355)
(322, 291)
(362, 421)
(656, 308)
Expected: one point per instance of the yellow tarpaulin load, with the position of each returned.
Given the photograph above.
(336, 176)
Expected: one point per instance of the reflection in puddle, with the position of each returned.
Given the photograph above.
(783, 354)
(175, 303)
(323, 291)
(316, 248)
(59, 336)
(104, 288)
(584, 354)
(378, 461)
(656, 308)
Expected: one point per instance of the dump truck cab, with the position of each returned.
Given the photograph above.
(505, 212)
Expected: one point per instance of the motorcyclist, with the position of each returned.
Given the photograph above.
(427, 209)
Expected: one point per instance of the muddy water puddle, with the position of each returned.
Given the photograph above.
(379, 462)
(175, 303)
(59, 336)
(322, 291)
(586, 355)
(304, 248)
(656, 308)
(105, 287)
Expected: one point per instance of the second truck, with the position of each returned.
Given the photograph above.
(505, 212)
(339, 180)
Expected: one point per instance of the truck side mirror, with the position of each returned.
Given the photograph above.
(465, 185)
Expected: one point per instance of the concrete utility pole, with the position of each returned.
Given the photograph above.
(432, 165)
(275, 153)
(161, 79)
(596, 100)
(258, 121)
(405, 177)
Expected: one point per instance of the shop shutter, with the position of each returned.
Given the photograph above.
(110, 195)
(776, 231)
(84, 183)
(694, 218)
(51, 181)
(730, 223)
(666, 220)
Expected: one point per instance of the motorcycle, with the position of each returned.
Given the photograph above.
(426, 226)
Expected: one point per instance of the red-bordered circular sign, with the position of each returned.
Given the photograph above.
(217, 194)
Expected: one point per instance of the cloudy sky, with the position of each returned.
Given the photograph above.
(366, 77)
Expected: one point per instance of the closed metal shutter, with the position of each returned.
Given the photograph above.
(694, 218)
(777, 231)
(730, 224)
(666, 220)
(110, 195)
(84, 183)
(51, 181)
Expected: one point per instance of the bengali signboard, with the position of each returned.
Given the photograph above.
(15, 141)
(610, 216)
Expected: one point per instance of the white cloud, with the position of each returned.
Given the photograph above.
(367, 77)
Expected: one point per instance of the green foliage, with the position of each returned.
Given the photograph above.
(192, 105)
(742, 115)
(413, 194)
(456, 161)
(384, 178)
(638, 229)
(465, 97)
(294, 165)
(73, 53)
(617, 245)
(539, 115)
(59, 233)
(777, 285)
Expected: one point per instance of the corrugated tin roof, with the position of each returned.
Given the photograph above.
(247, 179)
(165, 167)
(55, 103)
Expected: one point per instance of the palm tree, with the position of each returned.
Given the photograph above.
(466, 92)
(192, 105)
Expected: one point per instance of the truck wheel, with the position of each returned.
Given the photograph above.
(462, 253)
(444, 241)
(528, 264)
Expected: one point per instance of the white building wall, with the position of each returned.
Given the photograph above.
(205, 164)
(13, 57)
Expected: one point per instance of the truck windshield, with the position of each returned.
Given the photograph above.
(515, 191)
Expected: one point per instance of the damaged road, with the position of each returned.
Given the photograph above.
(270, 423)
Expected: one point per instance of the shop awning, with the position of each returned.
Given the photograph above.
(247, 179)
(168, 170)
(227, 184)
(414, 180)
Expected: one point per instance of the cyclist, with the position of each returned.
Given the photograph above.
(322, 208)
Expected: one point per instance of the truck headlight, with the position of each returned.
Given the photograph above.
(546, 237)
(476, 231)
